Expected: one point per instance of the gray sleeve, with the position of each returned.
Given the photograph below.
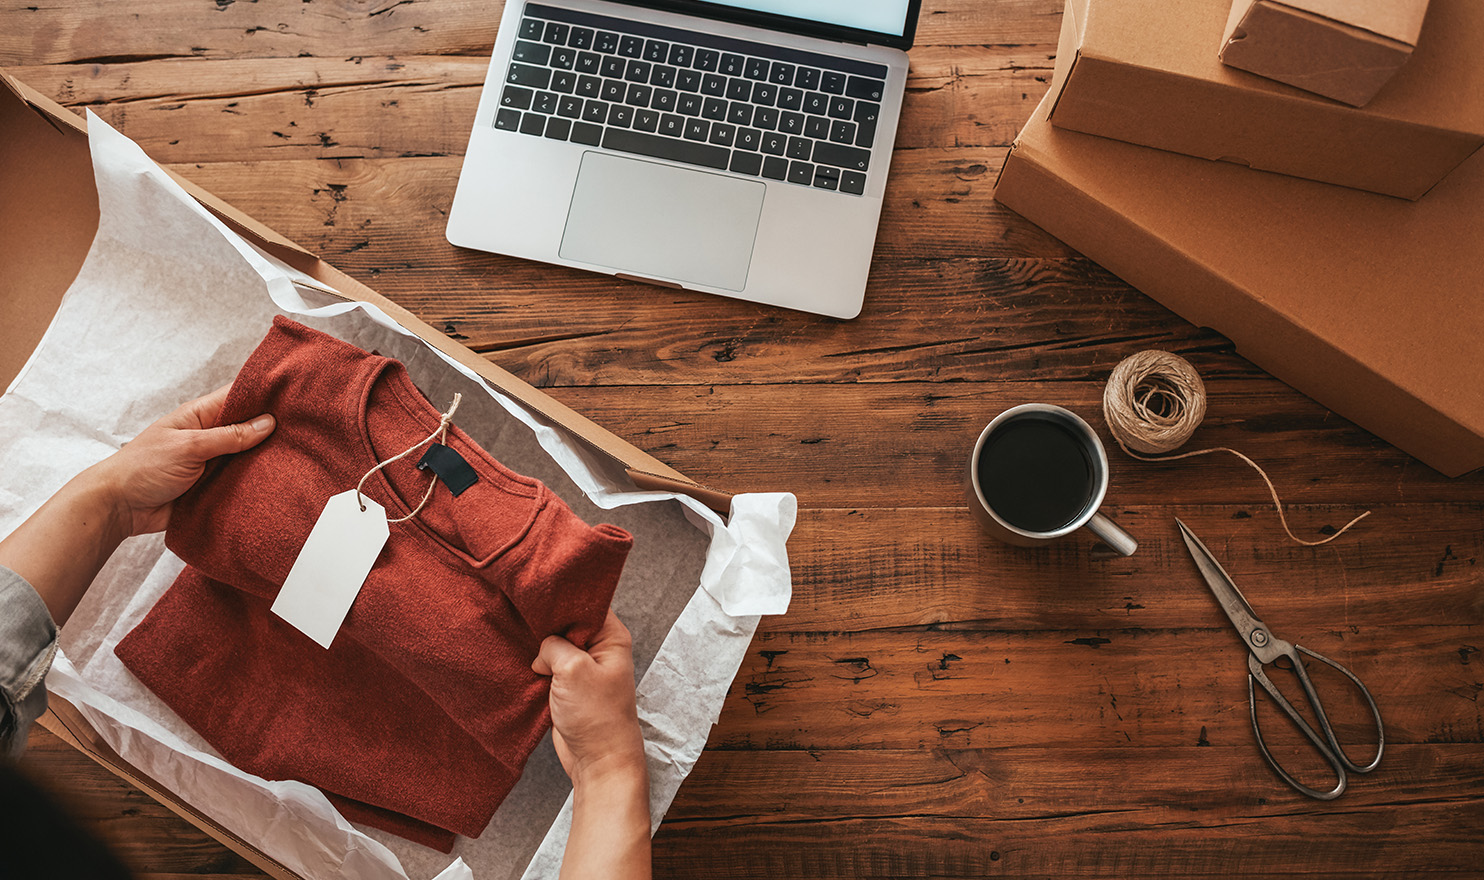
(28, 641)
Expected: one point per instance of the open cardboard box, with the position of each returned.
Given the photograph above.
(1368, 304)
(48, 217)
(1342, 49)
(1147, 72)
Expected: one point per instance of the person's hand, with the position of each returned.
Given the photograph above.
(593, 715)
(143, 479)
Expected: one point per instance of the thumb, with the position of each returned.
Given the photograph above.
(556, 653)
(227, 439)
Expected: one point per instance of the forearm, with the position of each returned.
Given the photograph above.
(61, 548)
(610, 826)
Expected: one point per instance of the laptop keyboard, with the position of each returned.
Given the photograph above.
(700, 99)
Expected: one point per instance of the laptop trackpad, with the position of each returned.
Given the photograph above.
(644, 218)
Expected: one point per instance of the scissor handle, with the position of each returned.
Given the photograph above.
(1329, 747)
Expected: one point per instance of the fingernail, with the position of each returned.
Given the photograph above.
(262, 424)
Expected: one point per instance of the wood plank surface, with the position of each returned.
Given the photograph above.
(934, 704)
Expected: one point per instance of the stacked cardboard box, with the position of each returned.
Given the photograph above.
(1367, 302)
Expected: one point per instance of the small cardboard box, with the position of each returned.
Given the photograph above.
(1147, 72)
(1368, 304)
(48, 218)
(1342, 49)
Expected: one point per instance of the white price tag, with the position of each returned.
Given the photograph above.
(332, 566)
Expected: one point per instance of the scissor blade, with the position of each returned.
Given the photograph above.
(1231, 600)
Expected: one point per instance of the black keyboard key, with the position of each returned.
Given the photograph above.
(530, 53)
(563, 58)
(689, 105)
(832, 82)
(638, 95)
(865, 89)
(589, 86)
(747, 163)
(722, 134)
(780, 74)
(800, 172)
(646, 120)
(621, 115)
(826, 177)
(773, 143)
(589, 62)
(790, 99)
(564, 81)
(841, 108)
(826, 153)
(739, 114)
(587, 133)
(508, 119)
(637, 72)
(866, 115)
(595, 111)
(526, 75)
(607, 42)
(732, 65)
(672, 125)
(807, 78)
(581, 38)
(842, 132)
(663, 76)
(531, 29)
(681, 56)
(533, 123)
(817, 127)
(765, 94)
(791, 123)
(569, 106)
(689, 81)
(749, 139)
(707, 59)
(517, 97)
(705, 155)
(714, 108)
(799, 148)
(816, 103)
(739, 89)
(852, 182)
(612, 67)
(757, 68)
(613, 90)
(656, 52)
(775, 167)
(630, 46)
(714, 84)
(558, 128)
(696, 129)
(663, 99)
(556, 33)
(546, 102)
(765, 117)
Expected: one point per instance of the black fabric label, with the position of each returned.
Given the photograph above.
(450, 467)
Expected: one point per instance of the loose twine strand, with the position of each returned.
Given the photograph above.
(1154, 401)
(440, 433)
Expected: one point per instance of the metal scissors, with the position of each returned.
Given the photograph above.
(1264, 648)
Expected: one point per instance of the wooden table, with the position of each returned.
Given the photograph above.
(934, 704)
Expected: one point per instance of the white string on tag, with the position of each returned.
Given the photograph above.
(440, 434)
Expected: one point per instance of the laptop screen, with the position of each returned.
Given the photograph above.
(878, 16)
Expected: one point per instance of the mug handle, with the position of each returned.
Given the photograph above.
(1109, 533)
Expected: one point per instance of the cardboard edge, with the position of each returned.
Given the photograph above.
(65, 722)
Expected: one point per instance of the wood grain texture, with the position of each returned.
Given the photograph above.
(934, 704)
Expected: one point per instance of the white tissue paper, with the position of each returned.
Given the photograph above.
(167, 306)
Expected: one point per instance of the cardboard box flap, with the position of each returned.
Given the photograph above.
(1385, 18)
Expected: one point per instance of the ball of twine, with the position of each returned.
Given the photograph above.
(1154, 401)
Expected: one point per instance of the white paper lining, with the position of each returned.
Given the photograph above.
(167, 306)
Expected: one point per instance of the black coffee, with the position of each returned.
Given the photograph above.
(1036, 474)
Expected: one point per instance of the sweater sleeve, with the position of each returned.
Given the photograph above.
(28, 641)
(571, 576)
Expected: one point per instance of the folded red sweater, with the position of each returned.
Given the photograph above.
(420, 716)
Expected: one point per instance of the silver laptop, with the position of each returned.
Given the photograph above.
(736, 147)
